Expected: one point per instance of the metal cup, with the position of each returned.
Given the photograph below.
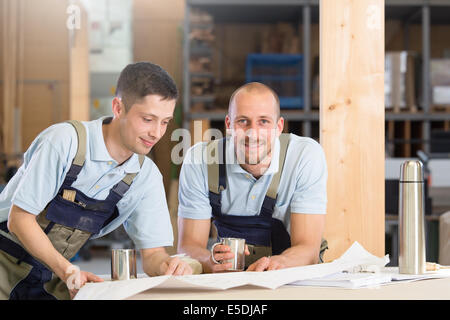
(123, 264)
(237, 247)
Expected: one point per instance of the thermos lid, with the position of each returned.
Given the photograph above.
(411, 171)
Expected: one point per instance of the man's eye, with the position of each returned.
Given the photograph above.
(147, 120)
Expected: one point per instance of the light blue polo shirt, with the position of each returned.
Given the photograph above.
(143, 209)
(302, 189)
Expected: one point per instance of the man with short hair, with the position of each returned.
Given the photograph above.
(258, 184)
(82, 180)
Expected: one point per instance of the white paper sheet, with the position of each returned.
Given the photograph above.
(355, 257)
(354, 262)
(347, 280)
(396, 276)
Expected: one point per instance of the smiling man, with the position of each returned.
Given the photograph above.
(258, 184)
(82, 180)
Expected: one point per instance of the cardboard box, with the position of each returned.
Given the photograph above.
(441, 95)
(399, 80)
(440, 81)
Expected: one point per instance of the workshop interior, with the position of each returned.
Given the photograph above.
(60, 60)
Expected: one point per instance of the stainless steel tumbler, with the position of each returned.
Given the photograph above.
(123, 264)
(411, 219)
(237, 247)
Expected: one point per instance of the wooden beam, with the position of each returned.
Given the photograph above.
(199, 129)
(12, 47)
(79, 68)
(352, 122)
(46, 71)
(10, 44)
(164, 21)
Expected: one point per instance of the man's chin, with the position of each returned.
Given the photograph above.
(251, 156)
(142, 150)
(257, 158)
(253, 159)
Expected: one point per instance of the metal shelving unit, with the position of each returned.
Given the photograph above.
(306, 12)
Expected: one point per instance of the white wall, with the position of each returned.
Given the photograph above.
(110, 34)
(111, 49)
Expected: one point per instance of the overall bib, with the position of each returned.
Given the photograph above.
(69, 220)
(264, 235)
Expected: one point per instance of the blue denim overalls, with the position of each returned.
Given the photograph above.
(263, 234)
(69, 220)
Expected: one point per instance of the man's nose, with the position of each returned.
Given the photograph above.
(252, 131)
(155, 131)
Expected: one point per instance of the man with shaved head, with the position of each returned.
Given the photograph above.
(258, 184)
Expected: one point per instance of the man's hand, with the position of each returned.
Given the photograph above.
(75, 279)
(269, 263)
(175, 266)
(221, 253)
(306, 234)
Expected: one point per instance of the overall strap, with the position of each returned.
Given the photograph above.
(80, 156)
(273, 188)
(215, 153)
(116, 193)
(122, 187)
(217, 182)
(217, 171)
(272, 192)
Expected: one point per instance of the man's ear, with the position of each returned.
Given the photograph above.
(117, 107)
(228, 125)
(280, 126)
(227, 122)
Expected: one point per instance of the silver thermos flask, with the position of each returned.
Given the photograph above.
(411, 218)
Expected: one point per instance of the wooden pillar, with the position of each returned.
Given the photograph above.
(199, 128)
(352, 122)
(158, 22)
(44, 75)
(79, 66)
(12, 38)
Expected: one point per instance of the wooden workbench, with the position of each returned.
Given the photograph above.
(433, 289)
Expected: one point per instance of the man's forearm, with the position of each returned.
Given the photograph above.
(25, 227)
(301, 255)
(151, 263)
(201, 254)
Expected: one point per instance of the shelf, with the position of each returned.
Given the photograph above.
(419, 116)
(202, 25)
(211, 115)
(438, 117)
(256, 3)
(256, 11)
(201, 75)
(300, 115)
(413, 14)
(272, 11)
(201, 51)
(409, 3)
(289, 115)
(297, 3)
(202, 99)
(276, 78)
(306, 12)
